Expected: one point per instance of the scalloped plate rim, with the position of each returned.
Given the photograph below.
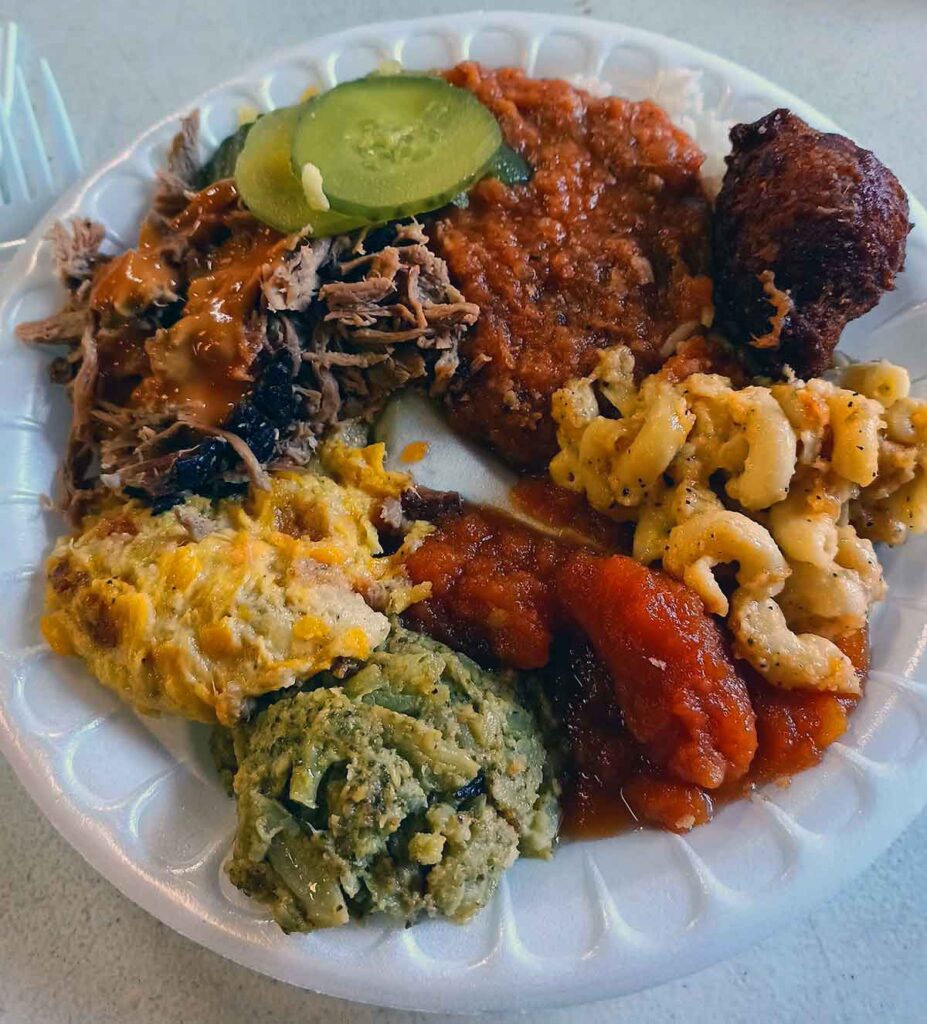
(88, 835)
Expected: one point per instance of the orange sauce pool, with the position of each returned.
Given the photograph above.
(200, 364)
(567, 511)
(413, 452)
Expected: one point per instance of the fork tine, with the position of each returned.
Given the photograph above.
(64, 152)
(12, 165)
(4, 64)
(32, 152)
(10, 43)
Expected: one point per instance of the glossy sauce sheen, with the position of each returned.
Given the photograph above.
(658, 741)
(491, 588)
(681, 694)
(606, 244)
(609, 785)
(569, 513)
(200, 364)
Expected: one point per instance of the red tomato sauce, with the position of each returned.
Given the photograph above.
(606, 244)
(660, 721)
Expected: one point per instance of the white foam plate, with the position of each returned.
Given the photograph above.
(139, 799)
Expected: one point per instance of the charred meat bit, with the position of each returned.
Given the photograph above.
(809, 231)
(424, 503)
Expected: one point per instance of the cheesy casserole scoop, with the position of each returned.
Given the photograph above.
(198, 609)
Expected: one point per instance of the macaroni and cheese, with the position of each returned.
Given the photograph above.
(789, 483)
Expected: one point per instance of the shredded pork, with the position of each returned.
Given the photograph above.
(337, 326)
(175, 180)
(390, 316)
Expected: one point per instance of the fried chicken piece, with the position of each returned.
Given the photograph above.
(809, 230)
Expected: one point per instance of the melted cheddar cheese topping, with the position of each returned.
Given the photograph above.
(196, 610)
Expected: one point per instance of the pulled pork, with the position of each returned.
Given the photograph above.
(219, 347)
(389, 315)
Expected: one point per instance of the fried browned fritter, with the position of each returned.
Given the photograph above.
(809, 231)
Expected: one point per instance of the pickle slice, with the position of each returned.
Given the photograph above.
(390, 147)
(269, 188)
(510, 167)
(222, 163)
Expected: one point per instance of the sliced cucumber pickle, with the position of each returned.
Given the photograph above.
(509, 166)
(222, 163)
(392, 146)
(269, 188)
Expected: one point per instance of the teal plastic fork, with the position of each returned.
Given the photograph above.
(39, 157)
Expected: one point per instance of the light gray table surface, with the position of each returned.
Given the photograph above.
(71, 947)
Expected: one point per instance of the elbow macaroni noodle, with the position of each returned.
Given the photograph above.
(791, 483)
